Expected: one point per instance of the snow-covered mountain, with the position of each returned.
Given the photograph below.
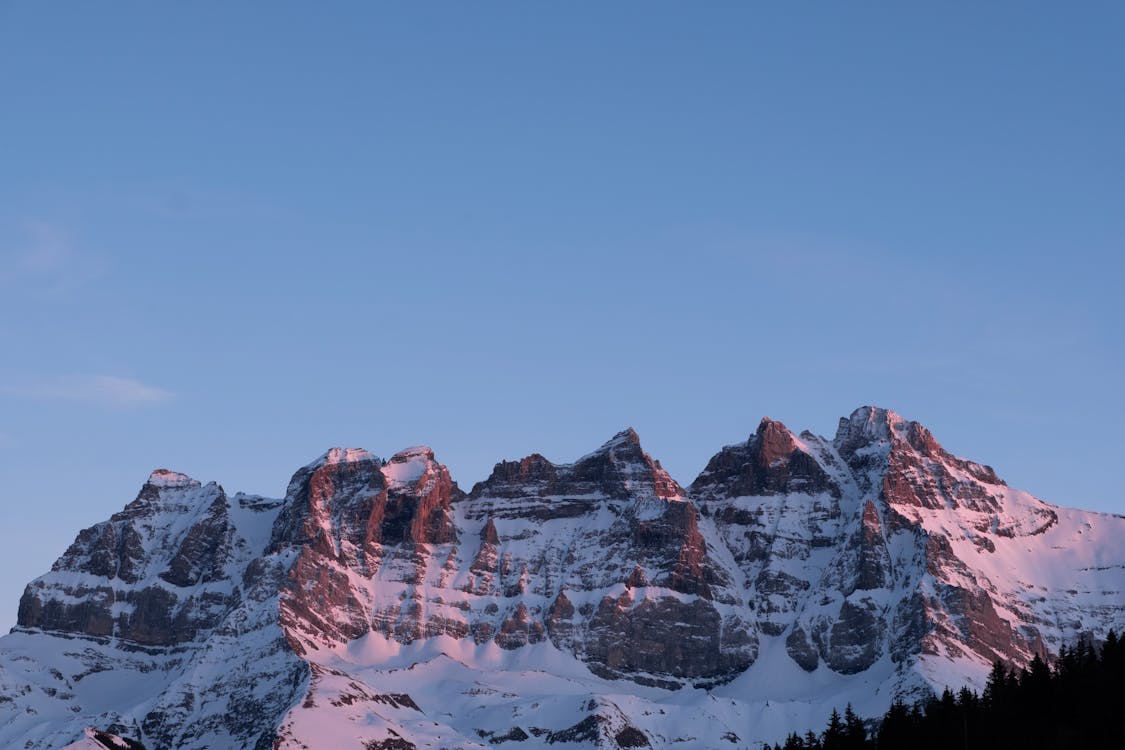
(595, 603)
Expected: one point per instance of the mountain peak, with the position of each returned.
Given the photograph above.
(872, 421)
(337, 455)
(408, 466)
(168, 478)
(625, 443)
(871, 425)
(628, 436)
(413, 453)
(771, 461)
(774, 440)
(892, 552)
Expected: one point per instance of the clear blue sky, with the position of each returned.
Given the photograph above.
(231, 237)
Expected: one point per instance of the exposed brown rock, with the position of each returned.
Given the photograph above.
(851, 549)
(519, 629)
(874, 565)
(769, 463)
(488, 534)
(637, 578)
(666, 637)
(674, 544)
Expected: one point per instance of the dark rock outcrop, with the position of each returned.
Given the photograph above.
(876, 544)
(771, 462)
(613, 520)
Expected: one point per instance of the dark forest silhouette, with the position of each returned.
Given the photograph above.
(1077, 703)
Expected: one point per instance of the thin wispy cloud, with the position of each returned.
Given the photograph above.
(104, 390)
(47, 252)
(43, 259)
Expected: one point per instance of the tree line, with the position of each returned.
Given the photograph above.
(1078, 702)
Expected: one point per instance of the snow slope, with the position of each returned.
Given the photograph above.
(595, 603)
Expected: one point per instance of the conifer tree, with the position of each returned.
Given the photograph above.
(896, 731)
(834, 734)
(855, 734)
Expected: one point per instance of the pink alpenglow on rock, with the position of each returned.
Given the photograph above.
(377, 605)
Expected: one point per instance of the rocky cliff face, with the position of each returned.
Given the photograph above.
(175, 594)
(607, 558)
(351, 520)
(554, 602)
